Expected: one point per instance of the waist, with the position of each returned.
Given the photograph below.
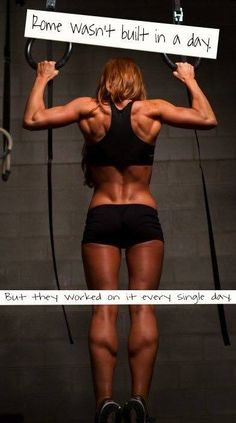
(122, 195)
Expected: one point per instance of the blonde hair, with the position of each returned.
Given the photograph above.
(120, 80)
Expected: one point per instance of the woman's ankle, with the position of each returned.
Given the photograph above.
(101, 401)
(142, 397)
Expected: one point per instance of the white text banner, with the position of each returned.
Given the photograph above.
(123, 33)
(122, 297)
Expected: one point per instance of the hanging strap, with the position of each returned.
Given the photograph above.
(178, 19)
(6, 99)
(214, 261)
(178, 14)
(49, 179)
(50, 5)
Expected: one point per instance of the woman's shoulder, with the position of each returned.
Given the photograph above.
(150, 102)
(147, 107)
(86, 102)
(89, 106)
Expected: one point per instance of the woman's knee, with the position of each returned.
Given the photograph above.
(143, 311)
(105, 312)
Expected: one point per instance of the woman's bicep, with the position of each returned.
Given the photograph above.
(180, 116)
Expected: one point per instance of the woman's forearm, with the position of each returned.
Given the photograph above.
(199, 100)
(185, 73)
(35, 102)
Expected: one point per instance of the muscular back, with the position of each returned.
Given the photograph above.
(130, 183)
(95, 121)
(123, 184)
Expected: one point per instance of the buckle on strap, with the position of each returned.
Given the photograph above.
(178, 15)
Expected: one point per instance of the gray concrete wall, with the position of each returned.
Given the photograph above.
(45, 378)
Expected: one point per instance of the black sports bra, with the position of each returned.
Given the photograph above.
(120, 147)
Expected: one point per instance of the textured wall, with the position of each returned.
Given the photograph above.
(42, 375)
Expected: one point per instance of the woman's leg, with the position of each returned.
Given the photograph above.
(101, 266)
(144, 263)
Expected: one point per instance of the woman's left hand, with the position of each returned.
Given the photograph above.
(47, 70)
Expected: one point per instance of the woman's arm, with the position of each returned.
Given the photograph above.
(200, 115)
(36, 115)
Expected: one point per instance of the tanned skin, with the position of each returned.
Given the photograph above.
(127, 186)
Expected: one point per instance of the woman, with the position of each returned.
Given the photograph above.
(120, 127)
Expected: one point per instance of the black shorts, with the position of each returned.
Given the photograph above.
(122, 225)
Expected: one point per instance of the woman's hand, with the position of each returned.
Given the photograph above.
(184, 71)
(47, 70)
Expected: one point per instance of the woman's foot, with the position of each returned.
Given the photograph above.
(136, 406)
(108, 412)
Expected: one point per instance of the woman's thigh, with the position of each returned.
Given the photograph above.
(144, 262)
(101, 265)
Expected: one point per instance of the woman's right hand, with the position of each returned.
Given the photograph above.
(184, 71)
(47, 70)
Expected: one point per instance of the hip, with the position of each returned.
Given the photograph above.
(122, 225)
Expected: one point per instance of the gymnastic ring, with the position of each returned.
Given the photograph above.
(173, 66)
(6, 158)
(59, 64)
